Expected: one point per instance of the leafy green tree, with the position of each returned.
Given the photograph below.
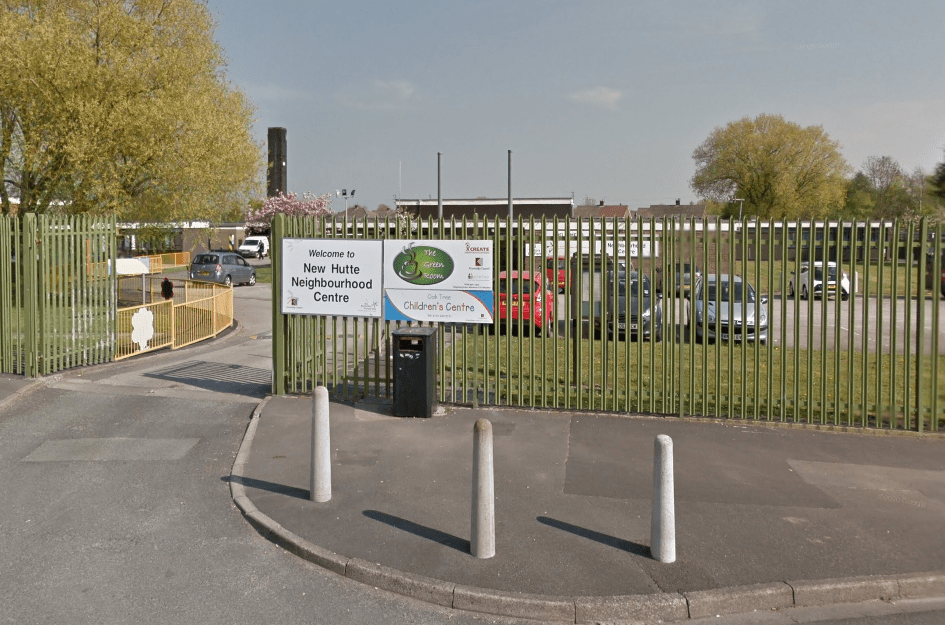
(120, 106)
(937, 181)
(861, 198)
(779, 169)
(888, 181)
(883, 190)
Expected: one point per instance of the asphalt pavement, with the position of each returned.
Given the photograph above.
(779, 519)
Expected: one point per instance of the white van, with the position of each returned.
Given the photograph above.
(255, 246)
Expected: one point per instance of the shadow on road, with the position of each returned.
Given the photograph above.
(218, 377)
(272, 487)
(447, 540)
(604, 539)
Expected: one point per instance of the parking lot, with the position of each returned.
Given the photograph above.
(795, 322)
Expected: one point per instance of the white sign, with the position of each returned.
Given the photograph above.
(444, 306)
(132, 266)
(438, 265)
(332, 277)
(448, 281)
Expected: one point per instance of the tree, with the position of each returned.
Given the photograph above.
(290, 205)
(120, 106)
(883, 190)
(777, 167)
(937, 181)
(889, 189)
(861, 198)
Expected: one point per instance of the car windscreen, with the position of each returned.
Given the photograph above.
(504, 288)
(819, 273)
(730, 292)
(635, 288)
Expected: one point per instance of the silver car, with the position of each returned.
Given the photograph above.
(729, 306)
(225, 268)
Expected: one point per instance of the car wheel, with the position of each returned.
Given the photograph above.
(228, 281)
(845, 296)
(790, 289)
(252, 280)
(804, 294)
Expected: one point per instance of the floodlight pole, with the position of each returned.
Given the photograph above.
(511, 216)
(741, 203)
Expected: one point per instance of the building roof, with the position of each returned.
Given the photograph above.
(488, 208)
(354, 211)
(610, 210)
(563, 201)
(673, 210)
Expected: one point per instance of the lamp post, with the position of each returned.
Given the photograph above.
(345, 195)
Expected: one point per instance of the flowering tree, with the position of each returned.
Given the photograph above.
(290, 205)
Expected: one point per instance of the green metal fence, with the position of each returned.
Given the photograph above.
(873, 359)
(57, 292)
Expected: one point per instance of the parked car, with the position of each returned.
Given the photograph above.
(645, 310)
(731, 305)
(810, 281)
(684, 275)
(225, 268)
(254, 246)
(556, 272)
(525, 296)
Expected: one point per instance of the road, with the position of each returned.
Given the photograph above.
(116, 506)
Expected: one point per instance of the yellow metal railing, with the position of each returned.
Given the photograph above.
(172, 259)
(195, 311)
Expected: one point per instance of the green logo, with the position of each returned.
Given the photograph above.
(423, 264)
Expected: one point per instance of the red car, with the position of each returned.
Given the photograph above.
(556, 271)
(526, 295)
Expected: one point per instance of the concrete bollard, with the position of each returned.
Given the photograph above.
(663, 521)
(319, 487)
(482, 534)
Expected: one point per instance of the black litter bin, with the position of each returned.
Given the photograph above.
(414, 372)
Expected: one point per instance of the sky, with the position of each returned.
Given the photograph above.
(599, 99)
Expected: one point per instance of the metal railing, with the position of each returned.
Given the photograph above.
(56, 292)
(874, 359)
(196, 311)
(171, 259)
(59, 298)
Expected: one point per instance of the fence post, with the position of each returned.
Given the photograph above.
(482, 522)
(31, 311)
(663, 522)
(320, 482)
(277, 231)
(174, 320)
